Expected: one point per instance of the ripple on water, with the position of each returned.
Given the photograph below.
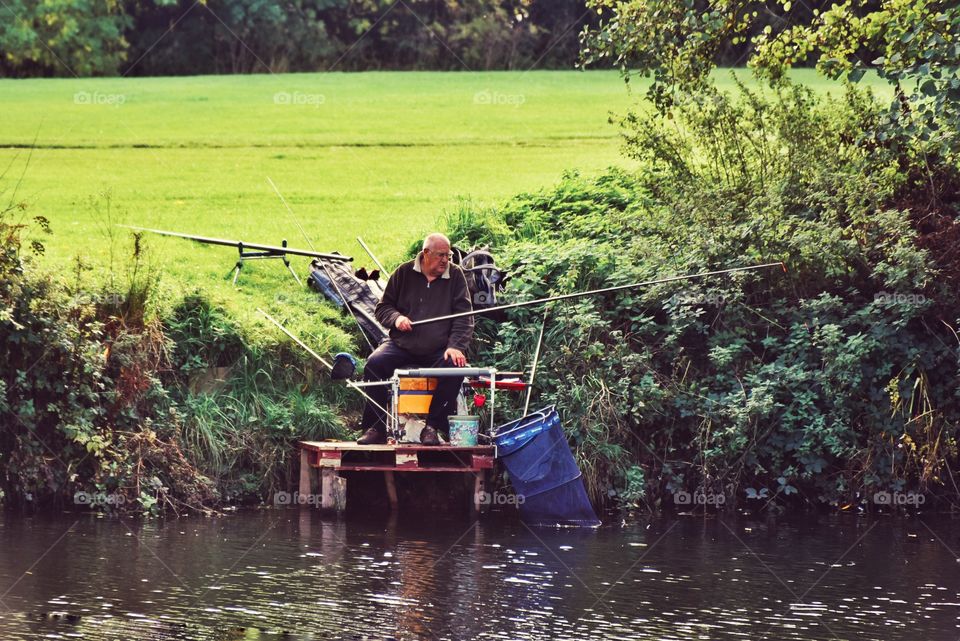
(274, 574)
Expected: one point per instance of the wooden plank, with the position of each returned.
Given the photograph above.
(479, 489)
(329, 459)
(347, 446)
(482, 462)
(372, 467)
(391, 488)
(407, 460)
(416, 447)
(305, 472)
(327, 496)
(339, 493)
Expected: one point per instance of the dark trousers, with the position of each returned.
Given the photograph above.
(380, 366)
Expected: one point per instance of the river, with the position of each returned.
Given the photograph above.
(294, 574)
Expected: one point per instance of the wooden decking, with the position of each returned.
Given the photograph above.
(330, 458)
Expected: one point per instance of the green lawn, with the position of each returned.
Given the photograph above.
(379, 155)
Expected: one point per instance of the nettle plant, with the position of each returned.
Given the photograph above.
(821, 385)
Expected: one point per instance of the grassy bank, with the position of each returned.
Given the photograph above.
(379, 155)
(147, 374)
(376, 155)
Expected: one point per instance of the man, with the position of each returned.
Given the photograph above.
(426, 287)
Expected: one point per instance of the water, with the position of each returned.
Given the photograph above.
(290, 574)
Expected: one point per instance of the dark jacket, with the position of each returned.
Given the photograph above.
(409, 294)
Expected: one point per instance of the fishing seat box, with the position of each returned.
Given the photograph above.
(415, 395)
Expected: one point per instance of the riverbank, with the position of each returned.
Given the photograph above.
(822, 386)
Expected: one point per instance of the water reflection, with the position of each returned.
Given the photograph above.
(290, 574)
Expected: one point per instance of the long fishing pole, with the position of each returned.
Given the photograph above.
(372, 257)
(299, 342)
(242, 245)
(594, 292)
(290, 211)
(536, 361)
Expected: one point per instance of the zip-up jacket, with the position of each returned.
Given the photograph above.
(409, 294)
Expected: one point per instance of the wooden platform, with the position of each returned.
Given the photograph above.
(330, 458)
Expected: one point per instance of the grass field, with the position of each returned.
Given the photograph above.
(379, 155)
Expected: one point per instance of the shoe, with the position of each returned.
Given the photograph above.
(372, 436)
(429, 436)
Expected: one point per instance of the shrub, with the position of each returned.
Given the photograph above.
(834, 379)
(105, 402)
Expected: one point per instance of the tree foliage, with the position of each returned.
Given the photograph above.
(821, 385)
(63, 37)
(217, 36)
(169, 37)
(913, 44)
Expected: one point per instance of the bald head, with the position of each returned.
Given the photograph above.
(436, 241)
(435, 257)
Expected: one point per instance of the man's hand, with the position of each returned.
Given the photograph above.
(403, 324)
(456, 356)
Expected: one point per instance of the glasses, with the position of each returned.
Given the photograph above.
(447, 255)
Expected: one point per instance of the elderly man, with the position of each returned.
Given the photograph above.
(426, 287)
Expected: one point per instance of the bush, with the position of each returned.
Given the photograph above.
(106, 402)
(820, 384)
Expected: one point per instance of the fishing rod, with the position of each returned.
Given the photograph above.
(299, 342)
(290, 211)
(536, 361)
(594, 292)
(372, 257)
(242, 245)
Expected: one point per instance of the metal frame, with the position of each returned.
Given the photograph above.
(262, 251)
(393, 430)
(261, 255)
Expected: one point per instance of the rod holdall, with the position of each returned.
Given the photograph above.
(484, 278)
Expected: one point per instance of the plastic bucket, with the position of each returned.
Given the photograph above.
(463, 430)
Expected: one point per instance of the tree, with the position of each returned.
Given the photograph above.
(62, 37)
(235, 36)
(914, 44)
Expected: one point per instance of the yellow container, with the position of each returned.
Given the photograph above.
(415, 395)
(417, 384)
